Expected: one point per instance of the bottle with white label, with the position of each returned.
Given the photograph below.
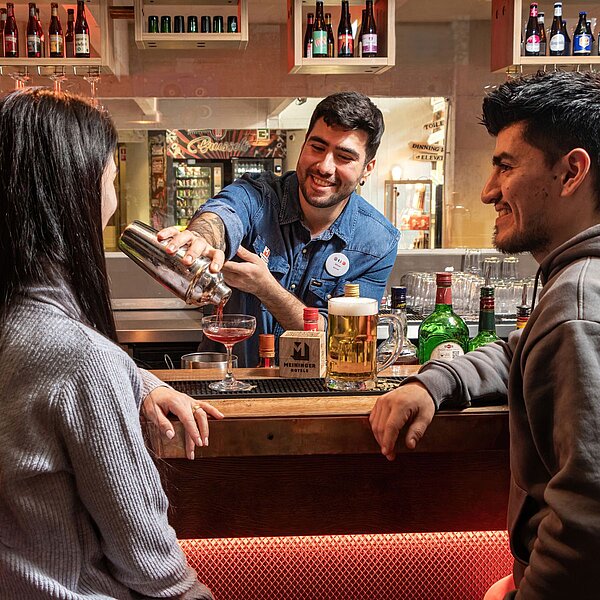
(443, 334)
(82, 33)
(557, 37)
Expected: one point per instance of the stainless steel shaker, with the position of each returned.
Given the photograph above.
(193, 283)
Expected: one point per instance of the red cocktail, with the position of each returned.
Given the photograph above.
(228, 330)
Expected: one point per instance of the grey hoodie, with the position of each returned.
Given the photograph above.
(551, 376)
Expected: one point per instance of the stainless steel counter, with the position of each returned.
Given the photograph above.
(158, 326)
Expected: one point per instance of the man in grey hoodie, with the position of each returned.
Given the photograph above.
(545, 188)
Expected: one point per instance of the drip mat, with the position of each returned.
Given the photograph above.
(279, 387)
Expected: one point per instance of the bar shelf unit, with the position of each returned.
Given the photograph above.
(384, 12)
(509, 18)
(101, 42)
(191, 41)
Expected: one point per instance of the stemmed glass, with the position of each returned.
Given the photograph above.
(229, 330)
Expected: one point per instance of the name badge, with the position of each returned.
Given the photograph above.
(337, 264)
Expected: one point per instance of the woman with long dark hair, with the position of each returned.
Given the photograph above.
(82, 511)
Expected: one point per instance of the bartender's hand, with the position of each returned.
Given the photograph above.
(410, 403)
(192, 413)
(196, 245)
(251, 276)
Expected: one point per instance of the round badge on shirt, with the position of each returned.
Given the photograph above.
(337, 264)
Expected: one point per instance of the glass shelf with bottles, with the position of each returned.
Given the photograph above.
(181, 25)
(339, 60)
(510, 31)
(47, 45)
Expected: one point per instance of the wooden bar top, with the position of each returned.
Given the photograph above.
(320, 424)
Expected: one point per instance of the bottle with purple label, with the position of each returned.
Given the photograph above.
(369, 33)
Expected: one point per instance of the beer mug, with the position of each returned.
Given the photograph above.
(352, 358)
(193, 283)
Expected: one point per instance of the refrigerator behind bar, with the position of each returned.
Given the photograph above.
(194, 182)
(241, 165)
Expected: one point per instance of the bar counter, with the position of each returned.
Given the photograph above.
(311, 466)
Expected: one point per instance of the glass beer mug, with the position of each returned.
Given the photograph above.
(352, 360)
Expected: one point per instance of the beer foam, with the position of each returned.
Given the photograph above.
(353, 307)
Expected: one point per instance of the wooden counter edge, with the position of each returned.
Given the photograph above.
(322, 425)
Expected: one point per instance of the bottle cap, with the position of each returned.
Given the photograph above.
(266, 344)
(311, 314)
(444, 279)
(398, 294)
(352, 290)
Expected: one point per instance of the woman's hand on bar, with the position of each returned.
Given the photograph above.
(409, 404)
(193, 414)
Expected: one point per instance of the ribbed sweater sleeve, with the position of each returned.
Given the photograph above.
(97, 413)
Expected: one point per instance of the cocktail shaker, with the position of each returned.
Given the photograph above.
(193, 283)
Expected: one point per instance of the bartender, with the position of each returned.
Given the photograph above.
(283, 243)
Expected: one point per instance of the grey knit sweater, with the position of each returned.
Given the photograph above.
(82, 511)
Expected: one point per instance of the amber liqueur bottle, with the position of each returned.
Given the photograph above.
(70, 35)
(345, 41)
(55, 34)
(82, 33)
(330, 38)
(11, 33)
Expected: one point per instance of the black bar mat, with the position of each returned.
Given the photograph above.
(277, 387)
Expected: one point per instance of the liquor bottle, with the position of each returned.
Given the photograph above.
(34, 44)
(40, 32)
(11, 33)
(582, 41)
(565, 32)
(523, 310)
(319, 33)
(330, 38)
(55, 33)
(443, 334)
(70, 35)
(345, 39)
(266, 350)
(2, 26)
(82, 32)
(487, 319)
(308, 40)
(543, 39)
(588, 28)
(557, 38)
(311, 319)
(369, 33)
(358, 42)
(532, 32)
(408, 354)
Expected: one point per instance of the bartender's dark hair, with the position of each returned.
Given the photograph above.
(351, 110)
(561, 111)
(54, 148)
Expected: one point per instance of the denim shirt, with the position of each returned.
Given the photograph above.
(262, 213)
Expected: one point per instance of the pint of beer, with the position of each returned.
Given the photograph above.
(352, 343)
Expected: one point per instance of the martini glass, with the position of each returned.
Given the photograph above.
(229, 330)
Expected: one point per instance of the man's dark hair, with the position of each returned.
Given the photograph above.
(54, 149)
(560, 110)
(351, 110)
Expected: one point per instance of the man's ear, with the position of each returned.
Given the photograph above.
(575, 167)
(368, 168)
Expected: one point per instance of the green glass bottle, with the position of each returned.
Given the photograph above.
(487, 319)
(443, 334)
